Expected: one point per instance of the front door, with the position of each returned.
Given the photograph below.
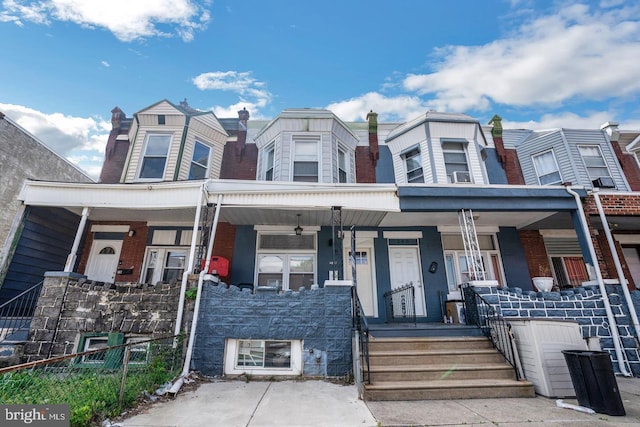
(103, 260)
(405, 268)
(364, 276)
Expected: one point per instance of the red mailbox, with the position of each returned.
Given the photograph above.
(218, 264)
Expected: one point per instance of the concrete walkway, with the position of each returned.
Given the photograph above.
(319, 403)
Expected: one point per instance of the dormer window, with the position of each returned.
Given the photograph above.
(269, 163)
(154, 160)
(546, 168)
(413, 164)
(594, 162)
(342, 166)
(305, 161)
(455, 161)
(200, 161)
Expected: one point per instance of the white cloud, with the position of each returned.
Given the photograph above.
(571, 54)
(127, 20)
(403, 107)
(81, 140)
(562, 120)
(252, 93)
(105, 64)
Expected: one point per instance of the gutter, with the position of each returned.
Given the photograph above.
(616, 261)
(192, 255)
(192, 334)
(613, 326)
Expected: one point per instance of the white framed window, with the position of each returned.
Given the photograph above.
(263, 357)
(413, 164)
(343, 166)
(95, 343)
(455, 160)
(594, 162)
(287, 262)
(154, 159)
(305, 160)
(164, 264)
(269, 162)
(456, 261)
(546, 168)
(200, 161)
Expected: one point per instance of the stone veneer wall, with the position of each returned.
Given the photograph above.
(583, 304)
(321, 317)
(73, 306)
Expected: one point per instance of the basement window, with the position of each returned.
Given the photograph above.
(263, 357)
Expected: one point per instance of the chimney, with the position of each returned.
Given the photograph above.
(116, 149)
(496, 133)
(116, 117)
(611, 128)
(374, 154)
(243, 118)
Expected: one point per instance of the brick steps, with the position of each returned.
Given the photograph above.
(440, 368)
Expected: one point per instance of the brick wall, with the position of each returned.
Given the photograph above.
(239, 161)
(583, 304)
(320, 317)
(535, 252)
(365, 166)
(629, 166)
(71, 305)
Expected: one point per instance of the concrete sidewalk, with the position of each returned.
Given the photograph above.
(319, 403)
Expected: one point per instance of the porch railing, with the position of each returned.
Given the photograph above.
(15, 314)
(482, 314)
(361, 329)
(400, 304)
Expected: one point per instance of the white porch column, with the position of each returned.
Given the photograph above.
(71, 258)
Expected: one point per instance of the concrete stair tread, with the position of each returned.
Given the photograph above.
(440, 367)
(456, 339)
(449, 384)
(431, 352)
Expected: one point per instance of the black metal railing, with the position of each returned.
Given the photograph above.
(482, 314)
(15, 314)
(400, 304)
(361, 328)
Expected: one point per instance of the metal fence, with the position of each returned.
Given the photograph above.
(98, 383)
(15, 314)
(400, 304)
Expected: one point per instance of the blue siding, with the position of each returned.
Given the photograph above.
(434, 283)
(44, 243)
(494, 168)
(384, 167)
(244, 255)
(513, 259)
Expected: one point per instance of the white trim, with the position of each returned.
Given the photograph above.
(631, 239)
(558, 233)
(365, 234)
(109, 228)
(347, 283)
(285, 229)
(401, 234)
(231, 350)
(480, 229)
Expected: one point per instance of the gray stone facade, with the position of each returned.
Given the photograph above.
(583, 304)
(69, 306)
(320, 317)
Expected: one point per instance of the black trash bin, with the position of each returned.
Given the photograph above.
(594, 381)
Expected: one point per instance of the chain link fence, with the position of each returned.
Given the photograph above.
(98, 383)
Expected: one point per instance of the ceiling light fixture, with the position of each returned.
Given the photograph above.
(298, 229)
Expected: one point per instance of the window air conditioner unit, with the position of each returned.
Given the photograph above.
(603, 182)
(461, 177)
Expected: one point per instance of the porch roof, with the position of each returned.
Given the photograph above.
(243, 202)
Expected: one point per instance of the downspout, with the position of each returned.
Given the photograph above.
(605, 298)
(192, 255)
(616, 261)
(192, 334)
(71, 259)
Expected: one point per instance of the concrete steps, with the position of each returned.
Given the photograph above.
(440, 368)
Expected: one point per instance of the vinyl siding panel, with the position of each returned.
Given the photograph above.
(139, 146)
(45, 242)
(400, 144)
(539, 144)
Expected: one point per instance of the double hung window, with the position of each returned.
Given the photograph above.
(286, 261)
(305, 162)
(546, 168)
(456, 265)
(200, 161)
(455, 161)
(413, 165)
(594, 161)
(154, 159)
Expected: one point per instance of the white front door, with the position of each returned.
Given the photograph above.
(404, 266)
(364, 275)
(103, 260)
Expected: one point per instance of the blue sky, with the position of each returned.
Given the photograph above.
(538, 64)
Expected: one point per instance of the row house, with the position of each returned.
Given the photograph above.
(292, 213)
